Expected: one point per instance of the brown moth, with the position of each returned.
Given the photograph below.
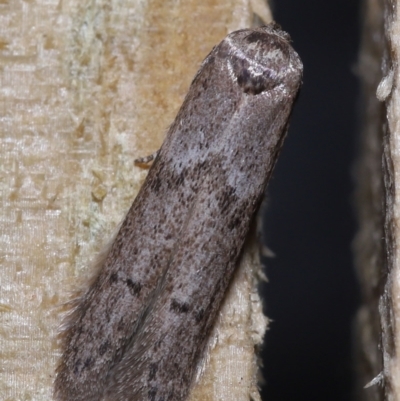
(140, 330)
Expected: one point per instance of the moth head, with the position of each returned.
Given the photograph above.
(261, 59)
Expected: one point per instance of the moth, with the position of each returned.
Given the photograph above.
(139, 331)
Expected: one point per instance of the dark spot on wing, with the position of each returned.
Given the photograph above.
(234, 223)
(152, 393)
(113, 278)
(179, 307)
(88, 363)
(104, 347)
(121, 325)
(198, 315)
(225, 198)
(77, 367)
(156, 183)
(134, 287)
(251, 82)
(152, 371)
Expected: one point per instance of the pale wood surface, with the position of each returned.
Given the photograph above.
(378, 203)
(85, 88)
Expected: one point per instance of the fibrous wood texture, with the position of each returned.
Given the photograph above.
(368, 245)
(85, 88)
(378, 203)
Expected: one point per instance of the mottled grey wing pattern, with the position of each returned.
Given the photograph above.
(139, 331)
